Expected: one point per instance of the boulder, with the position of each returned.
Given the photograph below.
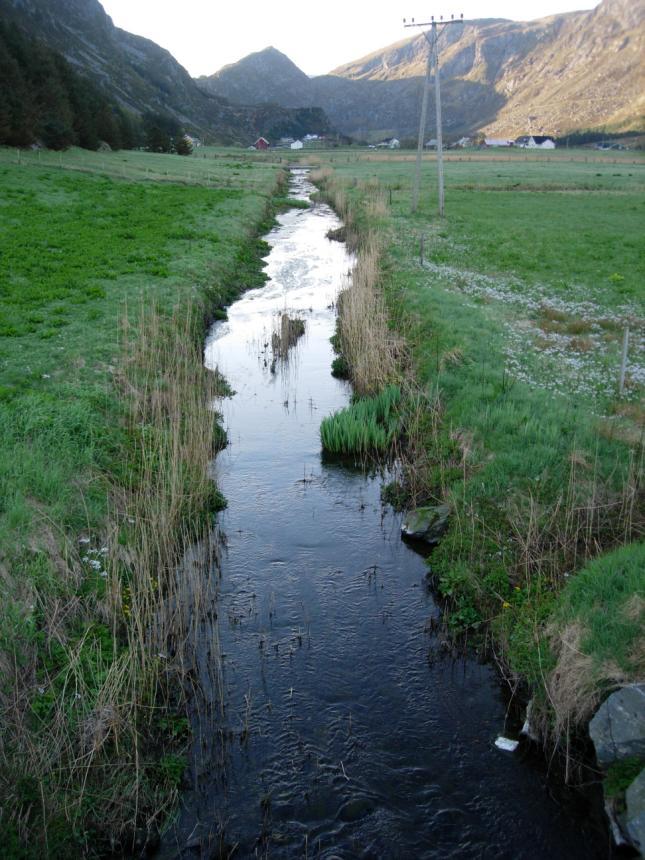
(427, 524)
(634, 817)
(618, 728)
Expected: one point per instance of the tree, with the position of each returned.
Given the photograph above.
(183, 146)
(161, 130)
(42, 98)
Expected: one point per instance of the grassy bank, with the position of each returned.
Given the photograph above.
(513, 318)
(110, 267)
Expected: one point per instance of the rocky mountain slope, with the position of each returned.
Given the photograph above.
(144, 77)
(553, 75)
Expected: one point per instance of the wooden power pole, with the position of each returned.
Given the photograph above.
(432, 66)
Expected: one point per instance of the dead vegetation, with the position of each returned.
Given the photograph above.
(285, 336)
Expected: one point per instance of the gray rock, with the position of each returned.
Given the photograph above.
(635, 812)
(614, 817)
(427, 524)
(618, 728)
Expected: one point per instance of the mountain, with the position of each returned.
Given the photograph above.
(266, 76)
(145, 78)
(592, 75)
(557, 74)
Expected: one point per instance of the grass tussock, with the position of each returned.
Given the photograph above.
(367, 427)
(596, 635)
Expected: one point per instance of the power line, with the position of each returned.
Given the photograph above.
(431, 65)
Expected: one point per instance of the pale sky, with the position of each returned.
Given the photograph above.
(204, 35)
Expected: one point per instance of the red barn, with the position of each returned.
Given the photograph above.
(261, 143)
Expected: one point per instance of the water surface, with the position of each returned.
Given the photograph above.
(343, 731)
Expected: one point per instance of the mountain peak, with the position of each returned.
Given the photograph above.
(257, 77)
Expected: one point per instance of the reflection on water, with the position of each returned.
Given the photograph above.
(340, 735)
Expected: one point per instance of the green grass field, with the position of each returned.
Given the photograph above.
(109, 265)
(515, 320)
(77, 248)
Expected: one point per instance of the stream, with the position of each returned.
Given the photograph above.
(338, 726)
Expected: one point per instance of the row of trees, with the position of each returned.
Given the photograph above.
(44, 100)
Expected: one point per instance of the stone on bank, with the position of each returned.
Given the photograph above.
(427, 524)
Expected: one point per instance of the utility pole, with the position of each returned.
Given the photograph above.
(431, 66)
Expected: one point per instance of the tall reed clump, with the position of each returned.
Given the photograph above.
(286, 335)
(91, 756)
(368, 426)
(373, 352)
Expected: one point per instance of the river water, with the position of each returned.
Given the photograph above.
(336, 728)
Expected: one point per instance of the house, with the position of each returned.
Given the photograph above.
(297, 144)
(535, 141)
(497, 141)
(261, 143)
(431, 144)
(193, 141)
(462, 142)
(389, 143)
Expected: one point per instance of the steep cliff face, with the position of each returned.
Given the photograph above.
(592, 74)
(578, 70)
(140, 74)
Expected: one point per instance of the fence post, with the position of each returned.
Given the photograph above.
(623, 361)
(421, 250)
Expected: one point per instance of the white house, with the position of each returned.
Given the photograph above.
(297, 144)
(535, 141)
(497, 141)
(389, 143)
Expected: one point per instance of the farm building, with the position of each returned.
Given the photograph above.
(389, 143)
(535, 141)
(498, 141)
(297, 144)
(261, 143)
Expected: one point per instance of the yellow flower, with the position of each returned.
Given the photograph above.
(506, 605)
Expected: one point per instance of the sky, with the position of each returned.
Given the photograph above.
(204, 35)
